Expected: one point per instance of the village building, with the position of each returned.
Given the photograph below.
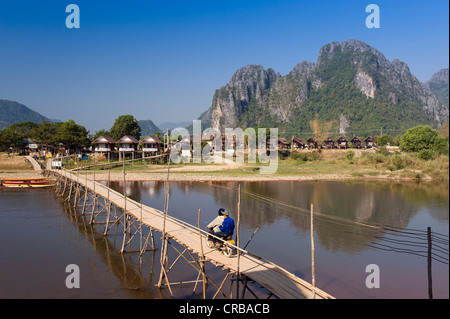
(329, 143)
(104, 143)
(311, 143)
(229, 143)
(151, 144)
(128, 144)
(370, 142)
(356, 142)
(283, 144)
(60, 148)
(297, 144)
(185, 146)
(342, 143)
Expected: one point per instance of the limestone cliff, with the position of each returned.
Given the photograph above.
(350, 79)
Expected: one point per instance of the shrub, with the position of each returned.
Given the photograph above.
(296, 156)
(398, 162)
(384, 139)
(423, 137)
(349, 155)
(304, 157)
(426, 155)
(315, 155)
(282, 154)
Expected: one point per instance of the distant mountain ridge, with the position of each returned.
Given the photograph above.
(172, 125)
(351, 82)
(12, 112)
(148, 128)
(439, 85)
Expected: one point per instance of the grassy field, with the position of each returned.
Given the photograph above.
(327, 164)
(324, 165)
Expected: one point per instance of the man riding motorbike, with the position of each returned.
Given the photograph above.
(222, 226)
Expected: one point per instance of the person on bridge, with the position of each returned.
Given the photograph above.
(223, 230)
(214, 226)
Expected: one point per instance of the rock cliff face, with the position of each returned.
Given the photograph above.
(248, 85)
(256, 96)
(439, 85)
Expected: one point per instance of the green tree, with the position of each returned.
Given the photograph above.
(99, 133)
(125, 125)
(24, 129)
(10, 139)
(384, 139)
(423, 137)
(46, 133)
(71, 134)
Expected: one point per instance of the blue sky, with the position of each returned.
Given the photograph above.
(163, 60)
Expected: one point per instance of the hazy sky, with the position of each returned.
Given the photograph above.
(163, 60)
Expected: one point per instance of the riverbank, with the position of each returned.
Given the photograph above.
(330, 166)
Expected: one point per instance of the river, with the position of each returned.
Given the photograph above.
(356, 224)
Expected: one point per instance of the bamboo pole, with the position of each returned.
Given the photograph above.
(221, 285)
(140, 230)
(108, 210)
(202, 256)
(163, 260)
(237, 240)
(85, 191)
(251, 237)
(430, 278)
(124, 189)
(313, 270)
(77, 190)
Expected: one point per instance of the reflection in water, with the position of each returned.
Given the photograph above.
(353, 219)
(350, 207)
(356, 223)
(130, 274)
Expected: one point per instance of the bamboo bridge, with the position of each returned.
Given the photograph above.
(103, 205)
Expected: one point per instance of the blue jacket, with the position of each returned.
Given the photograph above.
(227, 226)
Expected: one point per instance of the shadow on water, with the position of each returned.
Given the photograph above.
(134, 279)
(138, 277)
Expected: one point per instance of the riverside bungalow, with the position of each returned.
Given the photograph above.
(229, 143)
(104, 143)
(356, 142)
(188, 140)
(297, 143)
(370, 142)
(312, 143)
(185, 145)
(342, 143)
(151, 144)
(60, 148)
(128, 144)
(329, 142)
(283, 144)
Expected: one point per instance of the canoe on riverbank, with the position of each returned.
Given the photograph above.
(26, 182)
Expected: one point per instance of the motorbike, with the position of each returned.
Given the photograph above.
(224, 247)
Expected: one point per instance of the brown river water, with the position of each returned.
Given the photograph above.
(356, 224)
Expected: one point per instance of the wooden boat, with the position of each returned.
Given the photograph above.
(24, 179)
(27, 185)
(26, 182)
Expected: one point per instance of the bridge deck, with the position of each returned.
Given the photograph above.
(277, 280)
(34, 163)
